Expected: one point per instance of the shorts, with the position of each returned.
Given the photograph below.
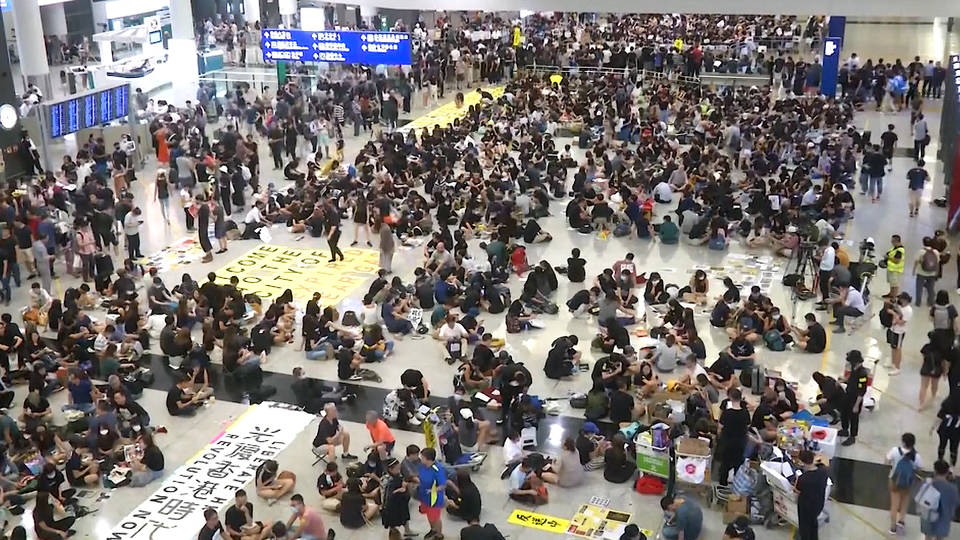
(389, 446)
(432, 512)
(894, 339)
(893, 278)
(915, 196)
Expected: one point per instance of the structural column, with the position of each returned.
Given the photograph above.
(30, 44)
(832, 45)
(251, 11)
(183, 53)
(54, 20)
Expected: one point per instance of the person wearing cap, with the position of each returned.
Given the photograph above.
(396, 500)
(591, 446)
(856, 389)
(900, 314)
(739, 529)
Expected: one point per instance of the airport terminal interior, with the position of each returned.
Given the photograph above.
(314, 270)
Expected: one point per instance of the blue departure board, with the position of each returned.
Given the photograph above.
(57, 121)
(121, 100)
(88, 111)
(350, 47)
(73, 116)
(107, 112)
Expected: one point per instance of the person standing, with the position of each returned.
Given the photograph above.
(917, 177)
(44, 261)
(275, 142)
(856, 389)
(387, 247)
(921, 138)
(332, 221)
(131, 229)
(734, 424)
(220, 227)
(396, 500)
(811, 488)
(947, 427)
(904, 465)
(203, 229)
(945, 484)
(926, 267)
(161, 193)
(895, 259)
(900, 316)
(828, 259)
(430, 492)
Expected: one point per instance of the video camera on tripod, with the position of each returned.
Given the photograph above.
(863, 270)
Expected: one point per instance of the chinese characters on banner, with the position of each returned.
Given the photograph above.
(210, 479)
(539, 521)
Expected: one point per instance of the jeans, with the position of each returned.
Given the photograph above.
(876, 186)
(864, 182)
(925, 283)
(142, 478)
(318, 354)
(919, 149)
(388, 348)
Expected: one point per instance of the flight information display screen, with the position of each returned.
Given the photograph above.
(88, 111)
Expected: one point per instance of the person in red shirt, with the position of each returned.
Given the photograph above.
(380, 434)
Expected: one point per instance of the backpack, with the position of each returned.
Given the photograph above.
(928, 502)
(941, 317)
(904, 469)
(774, 341)
(886, 318)
(930, 261)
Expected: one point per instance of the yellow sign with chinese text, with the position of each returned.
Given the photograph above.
(542, 522)
(268, 270)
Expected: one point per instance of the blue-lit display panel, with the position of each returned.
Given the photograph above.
(349, 47)
(88, 111)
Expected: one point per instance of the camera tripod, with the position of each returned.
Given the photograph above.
(803, 267)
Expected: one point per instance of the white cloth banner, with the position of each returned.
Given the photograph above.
(210, 479)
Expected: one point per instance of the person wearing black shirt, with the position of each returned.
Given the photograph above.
(179, 403)
(475, 531)
(617, 468)
(238, 515)
(465, 502)
(576, 267)
(811, 489)
(734, 424)
(330, 435)
(44, 524)
(562, 358)
(621, 404)
(79, 473)
(814, 338)
(354, 509)
(150, 466)
(332, 222)
(763, 415)
(212, 525)
(582, 301)
(853, 401)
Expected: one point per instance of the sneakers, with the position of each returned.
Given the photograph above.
(346, 457)
(893, 372)
(850, 441)
(843, 433)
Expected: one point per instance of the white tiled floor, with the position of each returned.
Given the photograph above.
(880, 430)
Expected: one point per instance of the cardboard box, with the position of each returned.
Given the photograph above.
(736, 506)
(661, 397)
(693, 447)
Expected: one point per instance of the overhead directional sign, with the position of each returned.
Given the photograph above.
(371, 48)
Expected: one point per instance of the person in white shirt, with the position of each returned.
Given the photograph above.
(850, 304)
(662, 193)
(919, 138)
(253, 222)
(901, 313)
(454, 336)
(900, 487)
(828, 259)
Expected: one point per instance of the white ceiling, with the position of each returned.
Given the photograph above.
(884, 8)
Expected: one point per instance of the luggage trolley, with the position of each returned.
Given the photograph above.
(439, 434)
(785, 500)
(651, 458)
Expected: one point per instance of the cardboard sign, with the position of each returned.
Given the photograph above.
(542, 522)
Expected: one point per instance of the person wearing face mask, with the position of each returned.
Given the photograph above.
(786, 400)
(698, 290)
(654, 293)
(856, 389)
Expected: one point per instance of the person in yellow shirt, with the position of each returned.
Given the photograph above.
(896, 259)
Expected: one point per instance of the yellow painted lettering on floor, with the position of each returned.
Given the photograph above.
(267, 271)
(444, 115)
(543, 522)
